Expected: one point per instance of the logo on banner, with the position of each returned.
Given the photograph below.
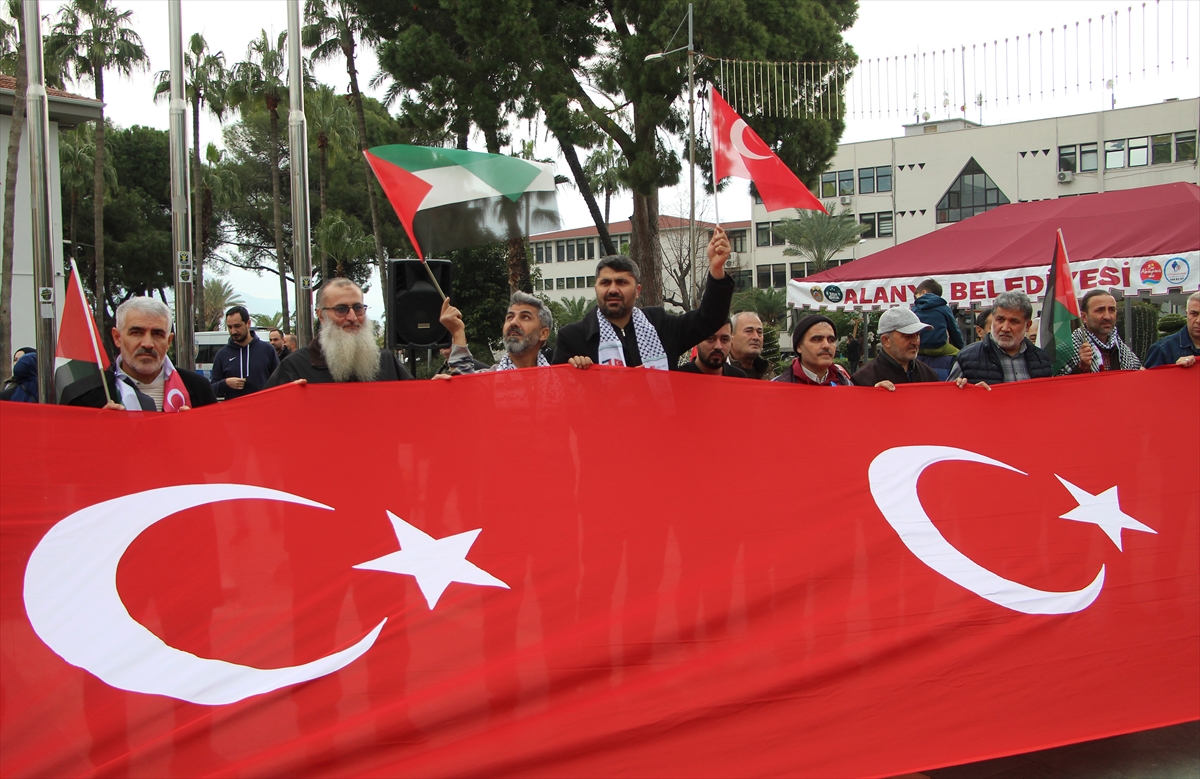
(73, 605)
(1177, 270)
(1151, 272)
(815, 292)
(893, 478)
(833, 294)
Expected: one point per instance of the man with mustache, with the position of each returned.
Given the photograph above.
(815, 342)
(1182, 347)
(1098, 346)
(711, 354)
(344, 350)
(616, 332)
(143, 377)
(897, 363)
(746, 344)
(1004, 354)
(527, 325)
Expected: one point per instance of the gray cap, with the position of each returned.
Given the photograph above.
(901, 319)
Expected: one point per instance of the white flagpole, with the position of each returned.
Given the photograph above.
(91, 326)
(713, 119)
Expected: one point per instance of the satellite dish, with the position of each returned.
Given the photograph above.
(925, 116)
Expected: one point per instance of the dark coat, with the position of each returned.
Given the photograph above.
(23, 386)
(309, 364)
(884, 368)
(255, 362)
(678, 332)
(1165, 351)
(933, 311)
(763, 369)
(732, 371)
(89, 393)
(981, 362)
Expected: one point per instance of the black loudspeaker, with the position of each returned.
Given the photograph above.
(414, 304)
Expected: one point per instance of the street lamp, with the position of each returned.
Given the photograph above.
(691, 50)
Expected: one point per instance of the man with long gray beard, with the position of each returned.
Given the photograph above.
(526, 327)
(344, 350)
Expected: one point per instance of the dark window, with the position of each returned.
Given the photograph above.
(737, 240)
(592, 248)
(622, 243)
(868, 220)
(866, 181)
(1139, 153)
(560, 283)
(757, 198)
(829, 184)
(1066, 158)
(579, 281)
(845, 182)
(570, 282)
(570, 251)
(779, 275)
(561, 250)
(591, 281)
(1185, 146)
(762, 234)
(776, 238)
(799, 270)
(1087, 157)
(1161, 149)
(742, 279)
(883, 179)
(580, 249)
(883, 224)
(973, 192)
(541, 254)
(1114, 154)
(764, 276)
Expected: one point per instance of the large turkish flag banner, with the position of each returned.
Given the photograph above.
(554, 572)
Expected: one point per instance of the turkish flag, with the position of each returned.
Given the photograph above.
(553, 572)
(738, 151)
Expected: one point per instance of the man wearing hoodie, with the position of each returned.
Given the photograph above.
(942, 341)
(245, 363)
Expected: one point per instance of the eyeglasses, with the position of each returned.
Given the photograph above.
(358, 308)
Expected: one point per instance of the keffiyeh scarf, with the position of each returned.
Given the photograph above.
(611, 351)
(1128, 361)
(506, 363)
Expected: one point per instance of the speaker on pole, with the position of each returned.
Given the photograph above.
(414, 305)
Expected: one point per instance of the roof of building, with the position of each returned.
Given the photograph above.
(617, 228)
(66, 108)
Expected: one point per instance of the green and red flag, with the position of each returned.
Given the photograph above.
(1059, 308)
(78, 353)
(451, 198)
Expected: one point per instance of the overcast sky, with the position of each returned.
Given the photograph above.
(886, 28)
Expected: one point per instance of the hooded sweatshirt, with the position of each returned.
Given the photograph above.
(253, 361)
(933, 311)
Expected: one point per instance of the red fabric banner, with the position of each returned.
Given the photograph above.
(555, 572)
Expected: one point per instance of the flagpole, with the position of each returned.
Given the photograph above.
(433, 278)
(713, 114)
(91, 326)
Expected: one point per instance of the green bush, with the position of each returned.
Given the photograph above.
(1171, 323)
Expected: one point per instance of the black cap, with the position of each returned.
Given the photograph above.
(805, 324)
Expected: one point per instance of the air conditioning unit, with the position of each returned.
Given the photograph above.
(1065, 177)
(846, 200)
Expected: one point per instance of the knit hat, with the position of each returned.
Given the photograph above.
(805, 324)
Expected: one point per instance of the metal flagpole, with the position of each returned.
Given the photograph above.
(692, 249)
(37, 114)
(181, 243)
(298, 161)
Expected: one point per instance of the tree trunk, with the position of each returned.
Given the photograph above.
(16, 129)
(518, 267)
(361, 115)
(607, 203)
(98, 205)
(585, 189)
(198, 247)
(644, 248)
(321, 146)
(272, 105)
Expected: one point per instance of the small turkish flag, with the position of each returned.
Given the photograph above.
(738, 151)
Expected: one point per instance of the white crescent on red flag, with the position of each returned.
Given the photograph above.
(516, 582)
(738, 151)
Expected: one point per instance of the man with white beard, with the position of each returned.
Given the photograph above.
(344, 349)
(526, 327)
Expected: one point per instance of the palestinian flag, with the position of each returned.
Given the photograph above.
(78, 353)
(1058, 308)
(449, 198)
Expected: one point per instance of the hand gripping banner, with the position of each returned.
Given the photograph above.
(555, 572)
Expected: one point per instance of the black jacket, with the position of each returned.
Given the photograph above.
(728, 370)
(884, 368)
(254, 362)
(309, 364)
(678, 332)
(89, 393)
(980, 362)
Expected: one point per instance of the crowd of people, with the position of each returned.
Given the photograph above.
(921, 344)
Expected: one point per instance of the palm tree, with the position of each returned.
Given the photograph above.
(332, 29)
(261, 78)
(343, 241)
(77, 166)
(272, 322)
(205, 80)
(12, 38)
(220, 187)
(219, 297)
(817, 236)
(605, 168)
(91, 37)
(569, 310)
(330, 123)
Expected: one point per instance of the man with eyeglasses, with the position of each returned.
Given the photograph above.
(344, 348)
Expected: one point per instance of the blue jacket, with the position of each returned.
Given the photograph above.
(933, 311)
(24, 383)
(254, 362)
(1166, 351)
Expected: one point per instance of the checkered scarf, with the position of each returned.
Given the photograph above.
(1125, 356)
(506, 363)
(612, 352)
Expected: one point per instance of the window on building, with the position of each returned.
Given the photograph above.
(1160, 149)
(570, 282)
(762, 234)
(764, 276)
(1114, 154)
(1066, 158)
(1087, 157)
(883, 179)
(540, 254)
(757, 198)
(537, 285)
(560, 283)
(883, 224)
(866, 181)
(743, 280)
(1185, 146)
(580, 248)
(737, 240)
(622, 243)
(591, 282)
(779, 275)
(1139, 152)
(776, 238)
(579, 282)
(799, 270)
(560, 249)
(828, 185)
(973, 192)
(845, 182)
(868, 220)
(592, 248)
